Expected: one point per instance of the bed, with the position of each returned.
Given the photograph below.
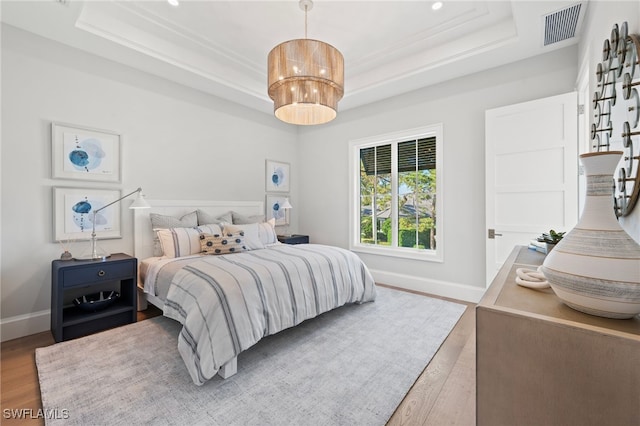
(247, 287)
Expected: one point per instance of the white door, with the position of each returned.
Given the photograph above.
(531, 173)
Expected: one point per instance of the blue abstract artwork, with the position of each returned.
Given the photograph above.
(277, 176)
(275, 211)
(74, 213)
(86, 154)
(82, 214)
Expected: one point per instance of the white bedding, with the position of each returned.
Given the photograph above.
(156, 273)
(228, 303)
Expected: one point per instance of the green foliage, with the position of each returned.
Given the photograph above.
(386, 228)
(366, 227)
(552, 237)
(420, 190)
(407, 238)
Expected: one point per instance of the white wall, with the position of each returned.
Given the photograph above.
(177, 143)
(601, 18)
(174, 135)
(460, 105)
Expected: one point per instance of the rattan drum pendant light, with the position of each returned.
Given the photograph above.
(306, 79)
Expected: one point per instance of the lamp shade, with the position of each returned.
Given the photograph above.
(306, 81)
(139, 203)
(286, 204)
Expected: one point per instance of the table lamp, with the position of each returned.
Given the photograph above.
(286, 205)
(95, 252)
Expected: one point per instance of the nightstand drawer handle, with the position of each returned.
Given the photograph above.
(101, 273)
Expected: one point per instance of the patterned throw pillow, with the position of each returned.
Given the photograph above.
(178, 242)
(222, 243)
(256, 235)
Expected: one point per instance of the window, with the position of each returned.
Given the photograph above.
(396, 197)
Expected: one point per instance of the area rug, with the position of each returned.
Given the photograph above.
(350, 366)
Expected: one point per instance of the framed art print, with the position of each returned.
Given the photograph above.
(85, 154)
(73, 213)
(277, 176)
(274, 210)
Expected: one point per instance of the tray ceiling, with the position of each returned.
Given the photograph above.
(221, 47)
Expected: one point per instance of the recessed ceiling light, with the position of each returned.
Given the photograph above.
(436, 5)
(174, 2)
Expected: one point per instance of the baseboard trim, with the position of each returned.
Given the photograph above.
(24, 325)
(37, 322)
(451, 290)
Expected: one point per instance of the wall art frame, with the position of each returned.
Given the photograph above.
(273, 210)
(83, 153)
(277, 176)
(616, 113)
(73, 213)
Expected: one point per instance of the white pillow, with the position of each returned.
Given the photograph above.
(256, 235)
(251, 235)
(160, 221)
(267, 231)
(178, 242)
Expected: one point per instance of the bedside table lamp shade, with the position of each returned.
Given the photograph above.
(95, 253)
(286, 204)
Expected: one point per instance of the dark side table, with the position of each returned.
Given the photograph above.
(294, 239)
(75, 278)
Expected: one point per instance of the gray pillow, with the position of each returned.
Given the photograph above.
(205, 218)
(160, 221)
(240, 219)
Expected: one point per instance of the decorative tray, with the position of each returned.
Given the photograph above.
(96, 301)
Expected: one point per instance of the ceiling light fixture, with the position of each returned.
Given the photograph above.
(436, 5)
(306, 78)
(173, 2)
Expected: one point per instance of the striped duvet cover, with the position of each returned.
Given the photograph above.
(227, 303)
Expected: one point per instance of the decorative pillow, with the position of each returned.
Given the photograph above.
(267, 231)
(240, 219)
(205, 218)
(257, 235)
(251, 235)
(178, 242)
(160, 221)
(222, 244)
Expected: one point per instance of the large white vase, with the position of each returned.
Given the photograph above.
(595, 268)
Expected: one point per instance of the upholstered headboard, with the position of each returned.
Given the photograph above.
(143, 234)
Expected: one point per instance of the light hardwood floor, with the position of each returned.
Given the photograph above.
(444, 394)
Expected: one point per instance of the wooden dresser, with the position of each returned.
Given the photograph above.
(539, 362)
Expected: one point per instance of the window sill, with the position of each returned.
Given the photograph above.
(425, 255)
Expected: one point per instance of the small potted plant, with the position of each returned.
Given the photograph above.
(551, 238)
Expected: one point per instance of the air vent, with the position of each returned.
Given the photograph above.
(561, 25)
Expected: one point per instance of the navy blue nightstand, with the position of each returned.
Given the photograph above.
(73, 278)
(294, 239)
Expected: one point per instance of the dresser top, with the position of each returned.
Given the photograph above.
(505, 295)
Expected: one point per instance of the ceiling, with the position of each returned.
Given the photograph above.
(221, 47)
